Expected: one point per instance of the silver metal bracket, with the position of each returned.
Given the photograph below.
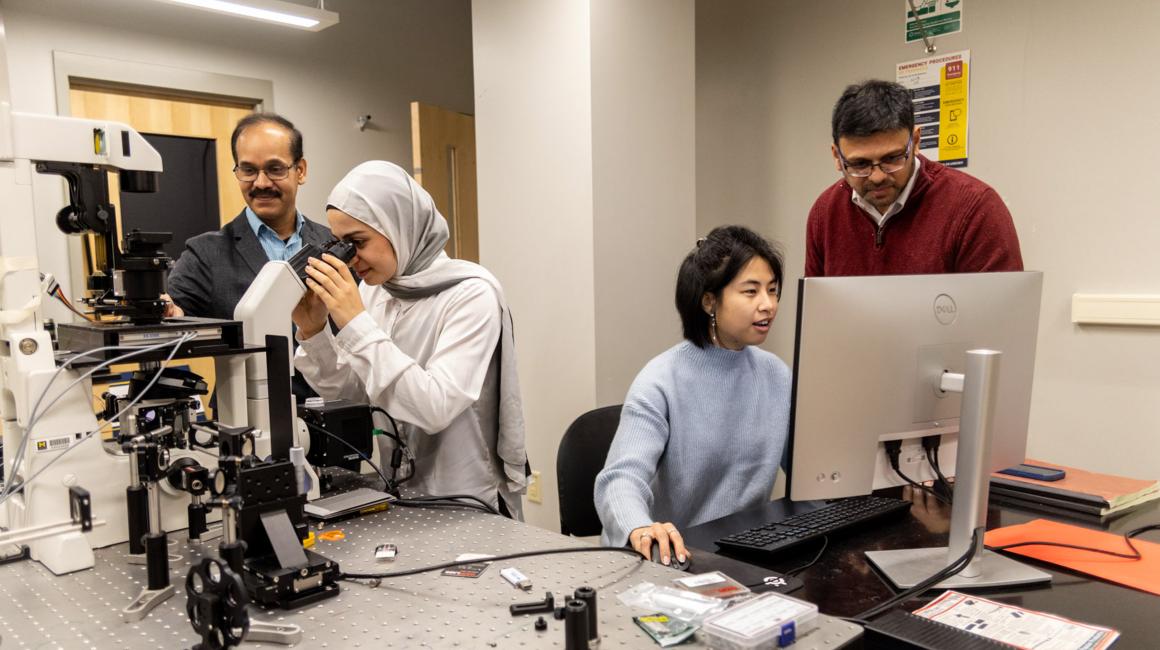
(282, 634)
(145, 602)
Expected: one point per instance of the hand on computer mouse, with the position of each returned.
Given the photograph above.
(670, 545)
(676, 562)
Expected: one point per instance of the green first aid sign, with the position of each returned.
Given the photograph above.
(938, 17)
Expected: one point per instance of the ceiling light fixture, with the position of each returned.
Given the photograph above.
(271, 11)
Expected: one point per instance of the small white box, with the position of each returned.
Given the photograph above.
(768, 621)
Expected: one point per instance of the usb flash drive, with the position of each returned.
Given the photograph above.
(517, 579)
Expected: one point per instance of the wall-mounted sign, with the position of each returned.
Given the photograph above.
(939, 87)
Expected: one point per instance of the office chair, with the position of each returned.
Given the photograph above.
(581, 456)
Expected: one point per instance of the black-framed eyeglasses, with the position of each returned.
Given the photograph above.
(275, 171)
(888, 165)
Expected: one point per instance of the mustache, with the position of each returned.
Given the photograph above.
(265, 193)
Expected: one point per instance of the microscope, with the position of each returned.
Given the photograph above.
(71, 484)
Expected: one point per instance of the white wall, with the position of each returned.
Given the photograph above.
(644, 170)
(585, 142)
(533, 138)
(1063, 125)
(380, 57)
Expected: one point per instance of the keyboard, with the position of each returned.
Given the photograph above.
(831, 519)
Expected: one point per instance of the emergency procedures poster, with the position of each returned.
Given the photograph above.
(939, 87)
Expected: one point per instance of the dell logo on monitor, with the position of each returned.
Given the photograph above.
(945, 309)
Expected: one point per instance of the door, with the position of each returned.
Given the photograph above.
(443, 152)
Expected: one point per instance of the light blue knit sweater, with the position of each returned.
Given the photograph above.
(701, 436)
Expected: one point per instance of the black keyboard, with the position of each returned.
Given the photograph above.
(830, 519)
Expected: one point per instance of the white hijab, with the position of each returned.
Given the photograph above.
(385, 197)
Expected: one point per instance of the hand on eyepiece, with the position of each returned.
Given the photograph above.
(309, 315)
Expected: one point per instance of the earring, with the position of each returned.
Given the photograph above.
(713, 328)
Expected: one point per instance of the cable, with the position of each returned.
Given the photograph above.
(59, 295)
(821, 551)
(932, 458)
(893, 451)
(11, 489)
(387, 485)
(445, 497)
(1134, 555)
(439, 502)
(952, 569)
(37, 412)
(394, 425)
(414, 502)
(925, 488)
(494, 558)
(400, 447)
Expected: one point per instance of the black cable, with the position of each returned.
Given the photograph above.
(494, 558)
(450, 497)
(821, 551)
(399, 445)
(893, 450)
(387, 485)
(932, 458)
(394, 425)
(920, 486)
(440, 504)
(1134, 555)
(414, 502)
(952, 569)
(797, 570)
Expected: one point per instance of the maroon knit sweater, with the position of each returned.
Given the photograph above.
(951, 223)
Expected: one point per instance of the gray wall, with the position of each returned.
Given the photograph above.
(1063, 124)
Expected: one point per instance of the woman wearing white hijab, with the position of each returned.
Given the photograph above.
(425, 337)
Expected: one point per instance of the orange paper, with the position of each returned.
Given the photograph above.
(1142, 574)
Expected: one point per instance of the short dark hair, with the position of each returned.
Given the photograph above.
(273, 118)
(872, 107)
(711, 266)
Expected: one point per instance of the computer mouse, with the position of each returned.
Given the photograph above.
(673, 561)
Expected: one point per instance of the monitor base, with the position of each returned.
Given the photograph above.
(906, 568)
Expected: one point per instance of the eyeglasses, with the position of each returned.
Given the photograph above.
(275, 171)
(888, 165)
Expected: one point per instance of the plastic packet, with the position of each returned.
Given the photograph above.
(685, 606)
(664, 630)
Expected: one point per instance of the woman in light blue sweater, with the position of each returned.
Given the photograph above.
(704, 426)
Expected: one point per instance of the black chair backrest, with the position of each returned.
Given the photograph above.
(581, 456)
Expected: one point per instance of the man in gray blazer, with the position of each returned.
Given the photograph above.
(217, 267)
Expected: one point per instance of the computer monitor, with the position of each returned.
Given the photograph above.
(870, 357)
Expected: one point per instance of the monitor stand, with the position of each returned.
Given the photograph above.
(908, 567)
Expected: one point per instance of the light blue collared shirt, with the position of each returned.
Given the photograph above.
(275, 248)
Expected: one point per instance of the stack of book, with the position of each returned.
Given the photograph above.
(1078, 491)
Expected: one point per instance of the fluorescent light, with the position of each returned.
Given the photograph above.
(272, 11)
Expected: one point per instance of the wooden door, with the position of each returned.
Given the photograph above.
(443, 152)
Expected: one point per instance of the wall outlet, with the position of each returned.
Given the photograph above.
(534, 493)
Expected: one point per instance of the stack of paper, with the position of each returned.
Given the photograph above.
(1079, 491)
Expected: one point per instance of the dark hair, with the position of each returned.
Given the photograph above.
(273, 118)
(711, 266)
(872, 107)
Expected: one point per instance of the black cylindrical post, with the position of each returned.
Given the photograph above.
(588, 595)
(576, 625)
(137, 500)
(157, 560)
(233, 554)
(196, 512)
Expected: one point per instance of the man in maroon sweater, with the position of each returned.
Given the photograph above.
(896, 212)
